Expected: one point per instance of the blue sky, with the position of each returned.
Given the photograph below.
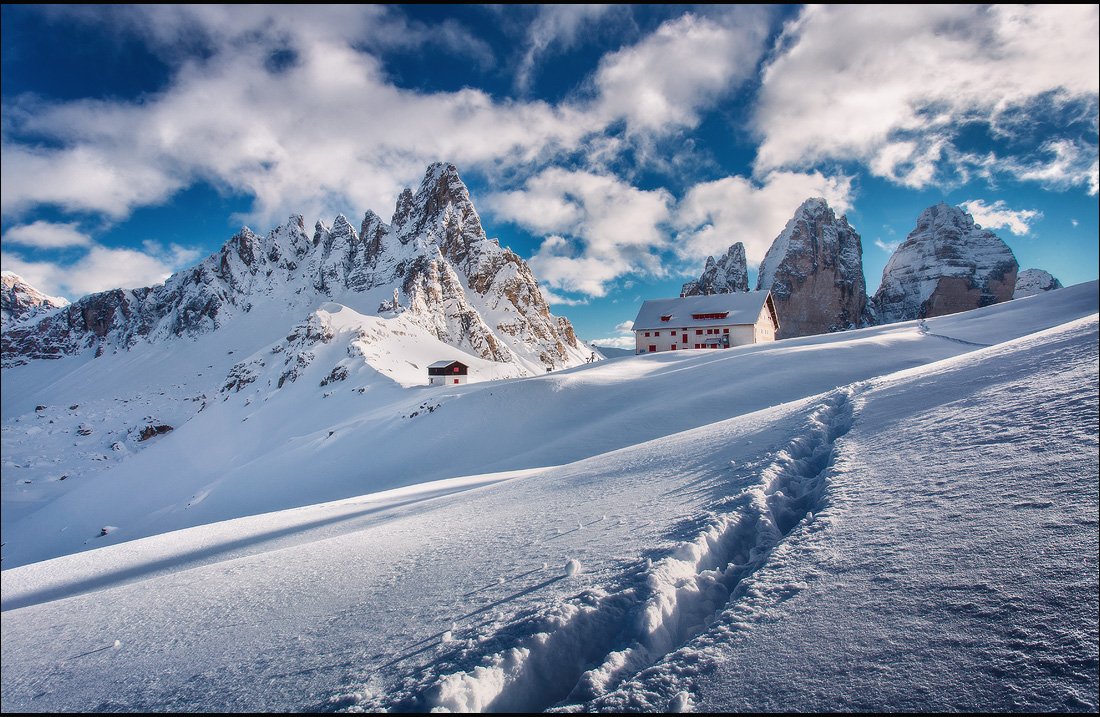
(613, 147)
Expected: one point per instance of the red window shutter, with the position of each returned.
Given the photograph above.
(456, 380)
(652, 348)
(698, 332)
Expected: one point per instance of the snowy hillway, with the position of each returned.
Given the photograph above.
(902, 517)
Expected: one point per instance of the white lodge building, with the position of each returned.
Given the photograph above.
(705, 322)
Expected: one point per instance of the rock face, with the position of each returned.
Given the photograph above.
(20, 301)
(947, 264)
(1030, 282)
(450, 279)
(725, 276)
(814, 270)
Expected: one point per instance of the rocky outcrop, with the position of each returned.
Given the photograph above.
(434, 252)
(20, 301)
(947, 264)
(1030, 282)
(725, 276)
(814, 270)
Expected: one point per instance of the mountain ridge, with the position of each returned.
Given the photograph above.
(452, 280)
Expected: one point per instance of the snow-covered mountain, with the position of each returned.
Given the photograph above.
(725, 276)
(814, 270)
(19, 301)
(433, 259)
(566, 540)
(946, 264)
(1030, 282)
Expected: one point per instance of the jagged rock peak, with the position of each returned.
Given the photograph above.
(19, 300)
(436, 252)
(947, 264)
(725, 276)
(814, 270)
(1030, 282)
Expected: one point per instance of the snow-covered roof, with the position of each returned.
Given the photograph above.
(742, 307)
(444, 364)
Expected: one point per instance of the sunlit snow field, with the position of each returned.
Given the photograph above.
(895, 518)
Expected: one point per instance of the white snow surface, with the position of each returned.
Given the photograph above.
(895, 518)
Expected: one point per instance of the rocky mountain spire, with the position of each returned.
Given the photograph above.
(1030, 282)
(814, 270)
(946, 264)
(725, 276)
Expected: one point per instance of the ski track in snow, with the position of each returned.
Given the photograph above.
(549, 660)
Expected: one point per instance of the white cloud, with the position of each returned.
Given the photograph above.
(887, 246)
(47, 235)
(101, 268)
(326, 133)
(616, 342)
(555, 26)
(998, 215)
(687, 64)
(889, 86)
(599, 227)
(714, 215)
(554, 298)
(326, 130)
(626, 327)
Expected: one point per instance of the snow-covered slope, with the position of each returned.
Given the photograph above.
(299, 437)
(434, 258)
(895, 518)
(814, 269)
(946, 264)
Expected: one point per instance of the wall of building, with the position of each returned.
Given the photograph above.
(666, 339)
(446, 380)
(765, 329)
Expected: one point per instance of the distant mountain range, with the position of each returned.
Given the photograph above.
(432, 262)
(814, 270)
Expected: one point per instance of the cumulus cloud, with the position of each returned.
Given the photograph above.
(998, 215)
(616, 342)
(101, 268)
(887, 246)
(626, 327)
(47, 235)
(554, 26)
(600, 228)
(285, 106)
(891, 86)
(714, 215)
(665, 80)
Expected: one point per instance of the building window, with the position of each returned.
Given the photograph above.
(652, 348)
(647, 333)
(698, 332)
(666, 317)
(456, 380)
(725, 331)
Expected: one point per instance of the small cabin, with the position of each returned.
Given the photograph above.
(717, 321)
(447, 373)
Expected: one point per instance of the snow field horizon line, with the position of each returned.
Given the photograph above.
(673, 599)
